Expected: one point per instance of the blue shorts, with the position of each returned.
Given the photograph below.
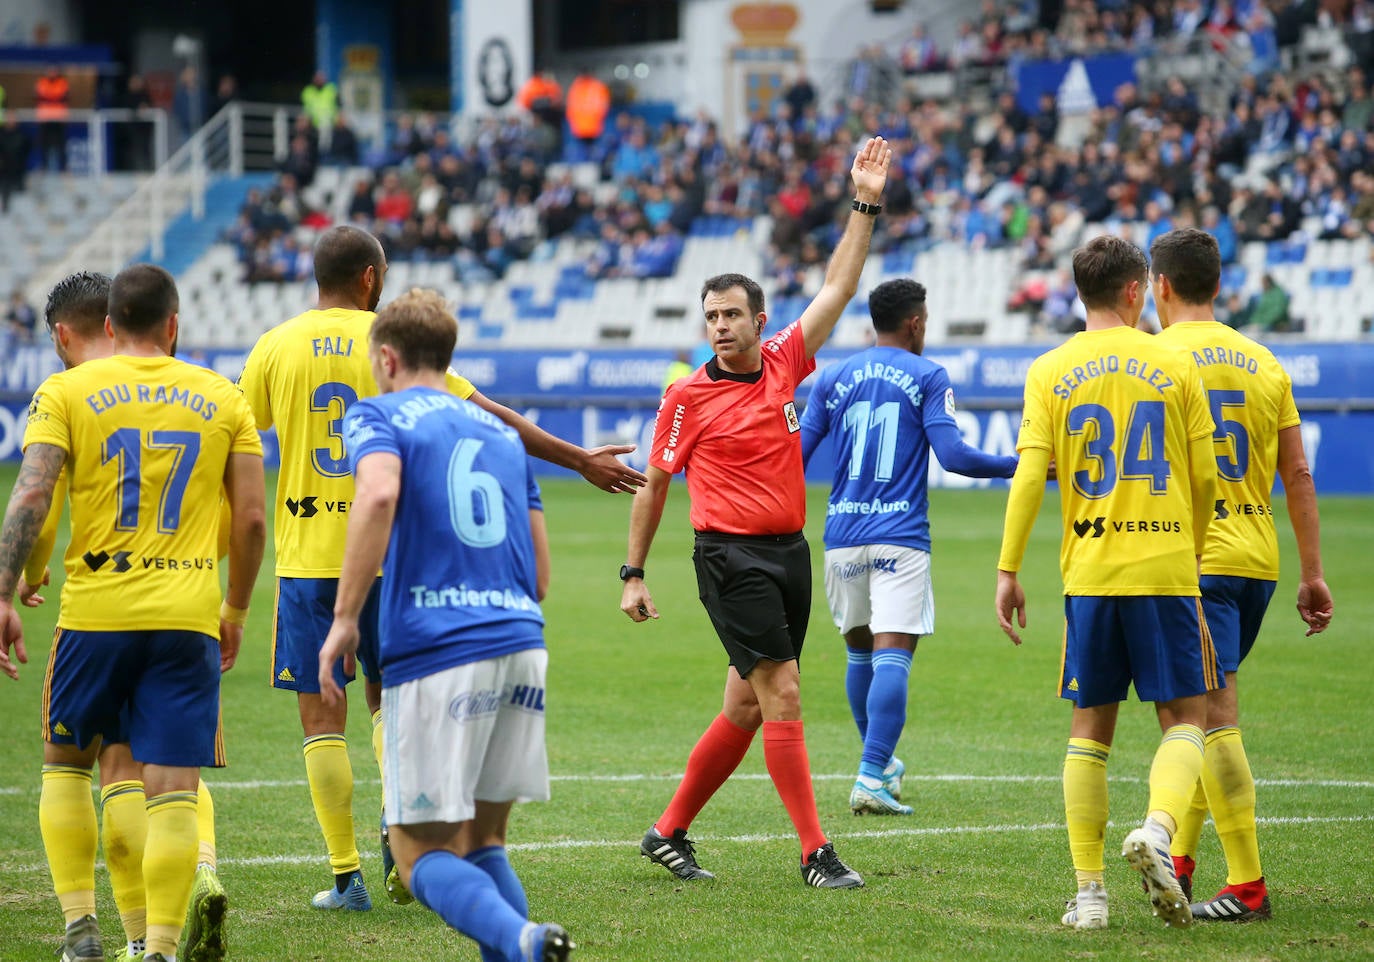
(156, 690)
(1160, 642)
(305, 610)
(1235, 608)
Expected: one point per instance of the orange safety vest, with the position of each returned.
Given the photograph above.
(51, 98)
(588, 102)
(536, 89)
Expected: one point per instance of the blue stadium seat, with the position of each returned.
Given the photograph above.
(899, 261)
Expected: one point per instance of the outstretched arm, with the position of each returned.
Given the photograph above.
(601, 466)
(956, 455)
(847, 263)
(1314, 597)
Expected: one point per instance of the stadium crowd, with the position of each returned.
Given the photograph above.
(1285, 148)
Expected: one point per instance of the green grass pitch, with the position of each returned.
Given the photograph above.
(980, 872)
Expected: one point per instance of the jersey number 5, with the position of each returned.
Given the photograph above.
(1231, 466)
(1142, 459)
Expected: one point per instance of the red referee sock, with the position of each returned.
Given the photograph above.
(717, 754)
(784, 752)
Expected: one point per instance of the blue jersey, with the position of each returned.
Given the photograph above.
(886, 408)
(459, 580)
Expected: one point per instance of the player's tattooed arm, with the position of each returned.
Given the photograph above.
(27, 510)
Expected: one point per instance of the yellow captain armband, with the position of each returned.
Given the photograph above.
(235, 616)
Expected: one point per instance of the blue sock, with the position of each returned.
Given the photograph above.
(857, 677)
(467, 899)
(886, 709)
(494, 862)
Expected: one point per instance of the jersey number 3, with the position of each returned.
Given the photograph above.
(333, 398)
(1142, 458)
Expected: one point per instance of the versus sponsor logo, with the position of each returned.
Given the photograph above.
(119, 562)
(311, 505)
(1100, 525)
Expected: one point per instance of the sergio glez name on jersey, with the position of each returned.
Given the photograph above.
(1112, 364)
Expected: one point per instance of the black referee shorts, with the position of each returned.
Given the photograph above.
(757, 591)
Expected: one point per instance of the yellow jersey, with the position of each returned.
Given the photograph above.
(147, 441)
(1251, 399)
(1117, 409)
(302, 376)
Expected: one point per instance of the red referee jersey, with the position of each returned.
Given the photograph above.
(738, 437)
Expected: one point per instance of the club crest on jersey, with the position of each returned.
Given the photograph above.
(789, 411)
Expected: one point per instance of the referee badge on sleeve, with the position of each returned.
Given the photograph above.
(789, 411)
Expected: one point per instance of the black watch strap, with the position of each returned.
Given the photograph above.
(872, 210)
(629, 571)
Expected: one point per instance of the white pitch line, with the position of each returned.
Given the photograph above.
(910, 777)
(253, 861)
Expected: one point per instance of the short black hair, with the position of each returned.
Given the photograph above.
(892, 302)
(79, 300)
(723, 282)
(1103, 267)
(342, 254)
(141, 297)
(1191, 260)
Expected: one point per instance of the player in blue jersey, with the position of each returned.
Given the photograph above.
(462, 642)
(885, 407)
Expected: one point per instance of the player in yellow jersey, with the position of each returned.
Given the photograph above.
(75, 317)
(302, 376)
(151, 442)
(1257, 434)
(1125, 420)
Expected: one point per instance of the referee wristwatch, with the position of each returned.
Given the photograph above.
(630, 571)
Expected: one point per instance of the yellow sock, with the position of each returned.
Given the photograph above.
(1189, 831)
(66, 820)
(169, 867)
(331, 789)
(124, 833)
(1231, 794)
(1085, 805)
(205, 826)
(1174, 774)
(377, 732)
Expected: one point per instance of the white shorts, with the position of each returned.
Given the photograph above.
(474, 732)
(883, 586)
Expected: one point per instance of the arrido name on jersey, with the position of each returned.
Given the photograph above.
(1112, 364)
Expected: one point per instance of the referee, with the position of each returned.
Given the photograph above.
(733, 427)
